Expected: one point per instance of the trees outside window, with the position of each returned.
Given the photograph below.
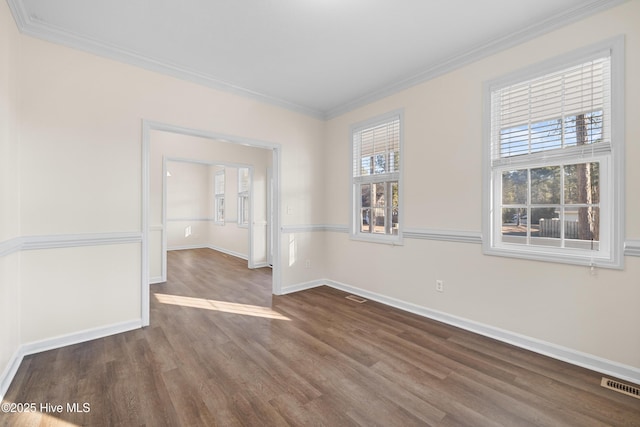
(553, 165)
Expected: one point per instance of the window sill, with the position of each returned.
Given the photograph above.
(556, 257)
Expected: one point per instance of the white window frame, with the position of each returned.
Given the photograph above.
(219, 202)
(611, 163)
(244, 190)
(356, 181)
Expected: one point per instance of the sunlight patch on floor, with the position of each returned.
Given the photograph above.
(223, 306)
(37, 418)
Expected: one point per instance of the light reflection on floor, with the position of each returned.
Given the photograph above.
(223, 306)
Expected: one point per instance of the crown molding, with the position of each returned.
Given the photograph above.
(479, 52)
(48, 32)
(45, 31)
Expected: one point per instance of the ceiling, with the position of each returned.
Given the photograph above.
(320, 57)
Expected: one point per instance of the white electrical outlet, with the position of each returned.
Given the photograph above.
(307, 264)
(439, 286)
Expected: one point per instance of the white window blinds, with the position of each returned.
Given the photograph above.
(377, 149)
(243, 180)
(559, 110)
(219, 183)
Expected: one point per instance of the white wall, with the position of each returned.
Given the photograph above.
(555, 303)
(189, 192)
(9, 197)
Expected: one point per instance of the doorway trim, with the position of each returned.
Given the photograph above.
(147, 127)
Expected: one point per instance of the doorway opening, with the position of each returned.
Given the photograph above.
(162, 143)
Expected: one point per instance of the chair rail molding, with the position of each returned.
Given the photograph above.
(55, 241)
(632, 247)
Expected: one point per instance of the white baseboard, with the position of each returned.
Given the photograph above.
(156, 280)
(574, 357)
(304, 286)
(10, 372)
(186, 247)
(78, 337)
(260, 265)
(215, 248)
(229, 252)
(58, 342)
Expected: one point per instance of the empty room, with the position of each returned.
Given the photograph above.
(326, 213)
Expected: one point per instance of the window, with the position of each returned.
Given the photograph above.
(553, 166)
(219, 197)
(243, 197)
(376, 186)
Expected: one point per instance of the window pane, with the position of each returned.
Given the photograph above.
(510, 215)
(394, 195)
(378, 220)
(394, 207)
(365, 190)
(549, 227)
(583, 228)
(545, 185)
(379, 195)
(380, 165)
(365, 220)
(545, 223)
(514, 187)
(514, 225)
(582, 183)
(245, 210)
(585, 223)
(219, 209)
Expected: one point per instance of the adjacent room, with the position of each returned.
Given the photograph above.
(320, 213)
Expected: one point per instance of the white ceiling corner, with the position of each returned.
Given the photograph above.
(319, 57)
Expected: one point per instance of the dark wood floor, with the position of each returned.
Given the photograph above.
(222, 351)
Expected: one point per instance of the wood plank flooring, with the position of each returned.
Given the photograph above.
(222, 351)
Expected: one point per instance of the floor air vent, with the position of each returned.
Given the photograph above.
(621, 387)
(356, 299)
